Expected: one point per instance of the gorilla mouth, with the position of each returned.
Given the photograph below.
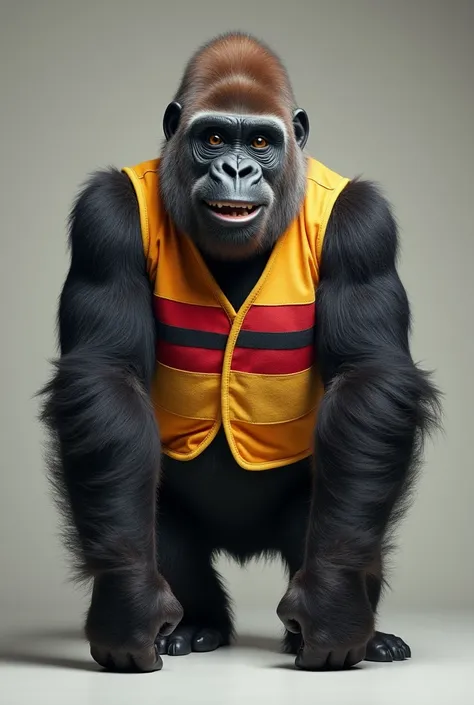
(228, 210)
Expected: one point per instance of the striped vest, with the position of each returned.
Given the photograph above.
(253, 370)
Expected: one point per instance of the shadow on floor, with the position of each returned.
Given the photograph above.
(69, 633)
(38, 647)
(31, 658)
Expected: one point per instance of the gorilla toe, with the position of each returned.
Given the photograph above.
(207, 640)
(387, 647)
(186, 639)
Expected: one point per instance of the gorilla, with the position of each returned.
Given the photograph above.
(234, 376)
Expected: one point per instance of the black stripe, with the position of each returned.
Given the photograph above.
(188, 337)
(191, 338)
(275, 341)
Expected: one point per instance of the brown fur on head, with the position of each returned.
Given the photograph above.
(238, 75)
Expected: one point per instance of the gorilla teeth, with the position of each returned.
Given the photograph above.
(235, 210)
(225, 204)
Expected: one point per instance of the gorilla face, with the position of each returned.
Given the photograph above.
(232, 182)
(236, 161)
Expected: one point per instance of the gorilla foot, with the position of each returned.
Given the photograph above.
(387, 647)
(382, 647)
(186, 639)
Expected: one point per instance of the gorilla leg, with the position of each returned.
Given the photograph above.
(291, 542)
(382, 647)
(184, 560)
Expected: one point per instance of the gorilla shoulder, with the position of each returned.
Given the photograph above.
(362, 237)
(105, 223)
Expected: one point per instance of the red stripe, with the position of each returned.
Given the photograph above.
(279, 319)
(189, 359)
(207, 318)
(274, 362)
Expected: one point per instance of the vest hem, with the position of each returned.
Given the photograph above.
(252, 467)
(202, 446)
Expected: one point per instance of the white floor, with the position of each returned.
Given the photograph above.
(53, 667)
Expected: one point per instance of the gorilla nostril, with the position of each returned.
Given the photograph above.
(246, 171)
(229, 170)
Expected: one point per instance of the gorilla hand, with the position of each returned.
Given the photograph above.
(128, 610)
(331, 610)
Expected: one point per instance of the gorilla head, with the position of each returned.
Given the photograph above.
(232, 172)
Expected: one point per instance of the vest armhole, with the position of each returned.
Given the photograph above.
(142, 205)
(332, 198)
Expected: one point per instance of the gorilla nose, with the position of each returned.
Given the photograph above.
(230, 171)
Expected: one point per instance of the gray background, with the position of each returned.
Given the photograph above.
(388, 86)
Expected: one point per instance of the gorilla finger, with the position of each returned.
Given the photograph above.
(289, 617)
(101, 656)
(293, 626)
(337, 659)
(122, 661)
(167, 628)
(290, 622)
(355, 656)
(171, 623)
(311, 660)
(148, 660)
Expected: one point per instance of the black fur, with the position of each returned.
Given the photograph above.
(378, 404)
(371, 425)
(375, 413)
(97, 402)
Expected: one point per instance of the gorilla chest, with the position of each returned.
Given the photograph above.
(237, 279)
(235, 351)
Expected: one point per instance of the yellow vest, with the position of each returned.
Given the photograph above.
(254, 370)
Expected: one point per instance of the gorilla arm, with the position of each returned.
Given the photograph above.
(376, 408)
(97, 407)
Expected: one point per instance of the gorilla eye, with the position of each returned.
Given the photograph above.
(215, 140)
(259, 143)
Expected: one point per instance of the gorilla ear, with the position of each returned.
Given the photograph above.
(301, 127)
(171, 119)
